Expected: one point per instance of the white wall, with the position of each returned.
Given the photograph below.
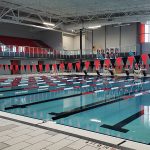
(73, 42)
(112, 36)
(99, 38)
(68, 42)
(128, 37)
(77, 42)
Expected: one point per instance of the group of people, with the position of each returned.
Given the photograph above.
(137, 70)
(108, 53)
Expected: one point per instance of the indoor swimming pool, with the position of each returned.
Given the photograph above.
(118, 107)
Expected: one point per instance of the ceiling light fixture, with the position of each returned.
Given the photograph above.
(47, 28)
(49, 24)
(121, 25)
(94, 27)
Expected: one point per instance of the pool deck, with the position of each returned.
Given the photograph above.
(23, 133)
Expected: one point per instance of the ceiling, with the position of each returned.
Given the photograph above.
(70, 14)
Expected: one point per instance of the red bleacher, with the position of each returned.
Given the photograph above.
(7, 40)
(31, 45)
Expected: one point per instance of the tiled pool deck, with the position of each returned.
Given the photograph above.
(19, 136)
(22, 133)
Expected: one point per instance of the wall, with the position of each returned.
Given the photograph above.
(128, 37)
(51, 38)
(16, 30)
(99, 38)
(68, 42)
(77, 42)
(73, 42)
(112, 36)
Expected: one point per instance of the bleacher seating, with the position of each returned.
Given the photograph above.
(31, 46)
(7, 40)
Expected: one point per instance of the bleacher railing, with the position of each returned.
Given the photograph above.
(38, 52)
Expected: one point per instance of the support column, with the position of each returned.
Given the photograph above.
(81, 50)
(105, 38)
(138, 41)
(120, 38)
(92, 42)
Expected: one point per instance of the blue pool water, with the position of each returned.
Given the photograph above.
(115, 107)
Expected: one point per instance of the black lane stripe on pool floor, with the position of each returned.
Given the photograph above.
(88, 107)
(119, 125)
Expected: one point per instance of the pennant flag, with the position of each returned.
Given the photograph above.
(40, 67)
(62, 67)
(87, 64)
(6, 67)
(118, 61)
(54, 66)
(1, 66)
(78, 66)
(28, 67)
(131, 60)
(70, 66)
(107, 62)
(11, 67)
(34, 67)
(22, 68)
(47, 67)
(97, 64)
(144, 58)
(16, 67)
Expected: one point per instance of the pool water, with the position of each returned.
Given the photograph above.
(118, 107)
